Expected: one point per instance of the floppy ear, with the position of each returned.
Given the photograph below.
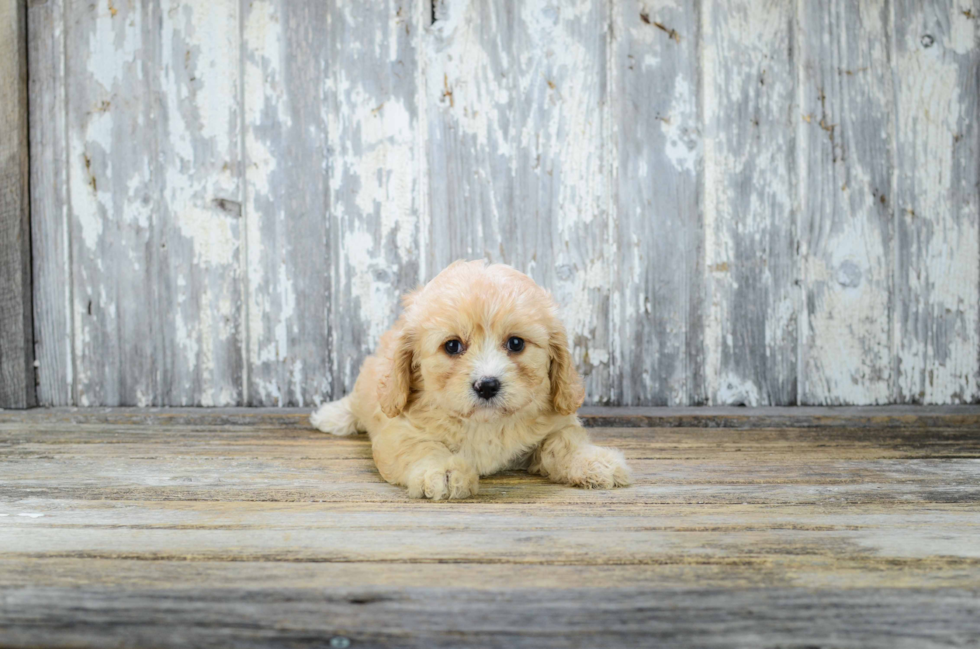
(567, 393)
(396, 372)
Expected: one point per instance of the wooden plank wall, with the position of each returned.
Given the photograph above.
(747, 202)
(16, 327)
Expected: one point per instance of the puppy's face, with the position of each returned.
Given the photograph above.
(485, 356)
(482, 342)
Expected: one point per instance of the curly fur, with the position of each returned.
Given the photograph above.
(429, 430)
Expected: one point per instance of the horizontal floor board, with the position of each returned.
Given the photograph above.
(898, 416)
(207, 528)
(187, 574)
(641, 535)
(22, 439)
(451, 617)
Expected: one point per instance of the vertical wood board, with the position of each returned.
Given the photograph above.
(937, 209)
(288, 350)
(50, 225)
(846, 160)
(657, 162)
(16, 327)
(750, 211)
(153, 184)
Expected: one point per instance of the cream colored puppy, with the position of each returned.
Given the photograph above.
(474, 378)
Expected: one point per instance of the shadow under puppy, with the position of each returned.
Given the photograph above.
(475, 377)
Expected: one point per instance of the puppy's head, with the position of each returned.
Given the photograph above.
(479, 342)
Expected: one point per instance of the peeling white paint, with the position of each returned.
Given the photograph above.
(374, 298)
(520, 114)
(937, 334)
(738, 42)
(735, 391)
(680, 128)
(113, 45)
(458, 76)
(844, 185)
(962, 37)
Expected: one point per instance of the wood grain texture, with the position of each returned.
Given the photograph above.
(846, 168)
(877, 618)
(658, 343)
(50, 226)
(759, 203)
(179, 529)
(937, 140)
(153, 128)
(854, 417)
(749, 57)
(16, 311)
(288, 355)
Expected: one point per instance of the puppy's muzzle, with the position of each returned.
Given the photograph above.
(487, 388)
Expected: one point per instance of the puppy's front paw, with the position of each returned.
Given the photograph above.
(595, 467)
(443, 479)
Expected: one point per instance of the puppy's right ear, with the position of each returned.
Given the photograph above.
(396, 372)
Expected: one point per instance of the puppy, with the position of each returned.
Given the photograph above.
(475, 377)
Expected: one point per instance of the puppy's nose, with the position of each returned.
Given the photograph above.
(487, 387)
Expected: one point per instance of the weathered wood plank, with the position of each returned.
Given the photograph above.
(269, 535)
(455, 617)
(517, 103)
(750, 114)
(869, 536)
(376, 174)
(845, 183)
(657, 356)
(785, 417)
(761, 447)
(681, 483)
(110, 144)
(153, 183)
(16, 311)
(469, 94)
(198, 278)
(287, 156)
(937, 206)
(50, 226)
(908, 417)
(781, 570)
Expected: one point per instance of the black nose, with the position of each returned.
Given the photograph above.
(487, 387)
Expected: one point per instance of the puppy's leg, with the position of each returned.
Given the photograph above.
(428, 468)
(335, 418)
(566, 456)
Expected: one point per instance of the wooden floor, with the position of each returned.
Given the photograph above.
(771, 528)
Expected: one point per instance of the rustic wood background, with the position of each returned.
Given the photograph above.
(736, 202)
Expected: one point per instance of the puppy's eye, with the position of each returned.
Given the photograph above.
(515, 344)
(453, 347)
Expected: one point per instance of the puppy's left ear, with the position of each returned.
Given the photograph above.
(567, 392)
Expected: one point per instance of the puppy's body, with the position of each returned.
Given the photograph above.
(474, 378)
